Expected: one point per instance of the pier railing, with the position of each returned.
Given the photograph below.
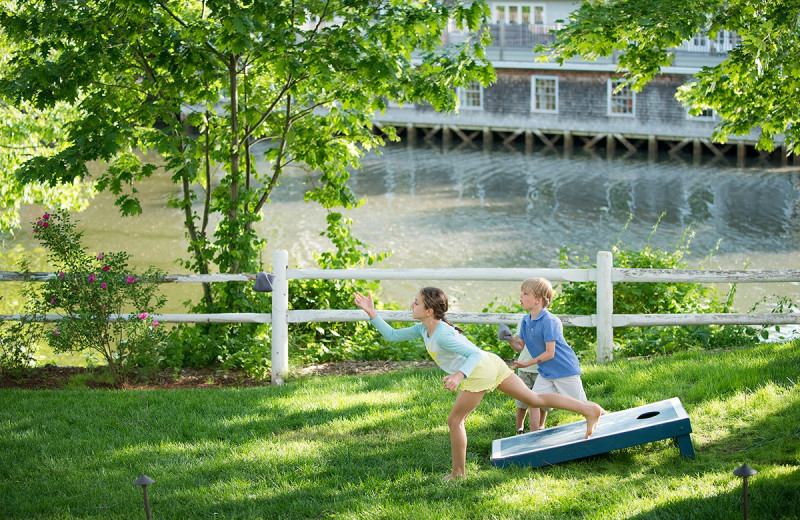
(604, 320)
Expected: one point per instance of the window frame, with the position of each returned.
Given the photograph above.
(464, 92)
(703, 117)
(542, 7)
(611, 97)
(534, 79)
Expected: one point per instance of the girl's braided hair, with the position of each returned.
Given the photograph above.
(435, 299)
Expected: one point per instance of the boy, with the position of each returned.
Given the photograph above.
(541, 332)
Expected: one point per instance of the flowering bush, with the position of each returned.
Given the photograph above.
(102, 305)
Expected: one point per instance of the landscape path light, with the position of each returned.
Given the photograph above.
(745, 471)
(145, 481)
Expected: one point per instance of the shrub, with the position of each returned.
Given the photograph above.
(485, 336)
(337, 341)
(102, 304)
(652, 298)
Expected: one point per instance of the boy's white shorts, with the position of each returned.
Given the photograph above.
(571, 386)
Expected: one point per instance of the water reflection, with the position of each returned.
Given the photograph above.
(534, 205)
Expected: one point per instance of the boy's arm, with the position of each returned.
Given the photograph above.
(522, 364)
(548, 354)
(516, 343)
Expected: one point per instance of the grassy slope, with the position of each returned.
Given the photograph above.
(377, 447)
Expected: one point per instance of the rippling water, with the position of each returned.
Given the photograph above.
(506, 209)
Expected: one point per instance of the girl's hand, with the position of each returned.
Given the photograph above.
(366, 304)
(452, 381)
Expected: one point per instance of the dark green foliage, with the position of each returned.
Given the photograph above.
(485, 336)
(651, 298)
(335, 341)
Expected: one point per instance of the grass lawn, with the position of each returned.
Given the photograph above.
(376, 447)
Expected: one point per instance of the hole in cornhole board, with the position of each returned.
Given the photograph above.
(648, 415)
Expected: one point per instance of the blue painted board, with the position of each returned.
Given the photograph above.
(632, 427)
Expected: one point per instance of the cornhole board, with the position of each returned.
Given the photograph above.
(632, 427)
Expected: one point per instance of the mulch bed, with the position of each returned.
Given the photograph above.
(54, 377)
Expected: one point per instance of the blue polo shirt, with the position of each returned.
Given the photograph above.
(538, 331)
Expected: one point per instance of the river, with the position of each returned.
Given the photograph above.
(501, 208)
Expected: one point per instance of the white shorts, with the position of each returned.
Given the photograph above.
(571, 386)
(529, 378)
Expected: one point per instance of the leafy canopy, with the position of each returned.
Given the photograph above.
(215, 86)
(755, 87)
(230, 94)
(27, 132)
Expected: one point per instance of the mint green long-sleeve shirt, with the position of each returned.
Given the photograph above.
(450, 349)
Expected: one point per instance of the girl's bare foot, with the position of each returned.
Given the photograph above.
(593, 417)
(451, 477)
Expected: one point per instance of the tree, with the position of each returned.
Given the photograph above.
(202, 82)
(755, 87)
(26, 132)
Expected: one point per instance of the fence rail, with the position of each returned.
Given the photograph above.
(604, 275)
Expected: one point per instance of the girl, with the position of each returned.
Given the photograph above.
(474, 370)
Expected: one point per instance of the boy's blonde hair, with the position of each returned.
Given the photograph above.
(540, 288)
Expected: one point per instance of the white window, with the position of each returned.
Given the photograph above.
(621, 102)
(544, 94)
(707, 114)
(471, 96)
(523, 14)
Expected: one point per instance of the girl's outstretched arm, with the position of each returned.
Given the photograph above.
(366, 304)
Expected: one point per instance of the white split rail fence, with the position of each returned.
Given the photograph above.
(605, 275)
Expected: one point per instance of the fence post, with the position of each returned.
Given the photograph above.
(280, 319)
(605, 307)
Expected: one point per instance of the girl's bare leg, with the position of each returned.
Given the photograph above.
(515, 387)
(463, 406)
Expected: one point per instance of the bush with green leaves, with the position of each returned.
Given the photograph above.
(337, 341)
(95, 302)
(651, 298)
(485, 336)
(18, 343)
(17, 346)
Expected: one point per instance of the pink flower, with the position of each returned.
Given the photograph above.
(103, 285)
(142, 315)
(45, 224)
(46, 216)
(155, 323)
(61, 275)
(99, 256)
(106, 268)
(130, 280)
(56, 332)
(52, 300)
(91, 278)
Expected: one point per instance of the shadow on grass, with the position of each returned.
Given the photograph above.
(355, 447)
(763, 493)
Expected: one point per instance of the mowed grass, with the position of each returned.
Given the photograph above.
(377, 447)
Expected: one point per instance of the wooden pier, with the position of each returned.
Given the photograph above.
(566, 143)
